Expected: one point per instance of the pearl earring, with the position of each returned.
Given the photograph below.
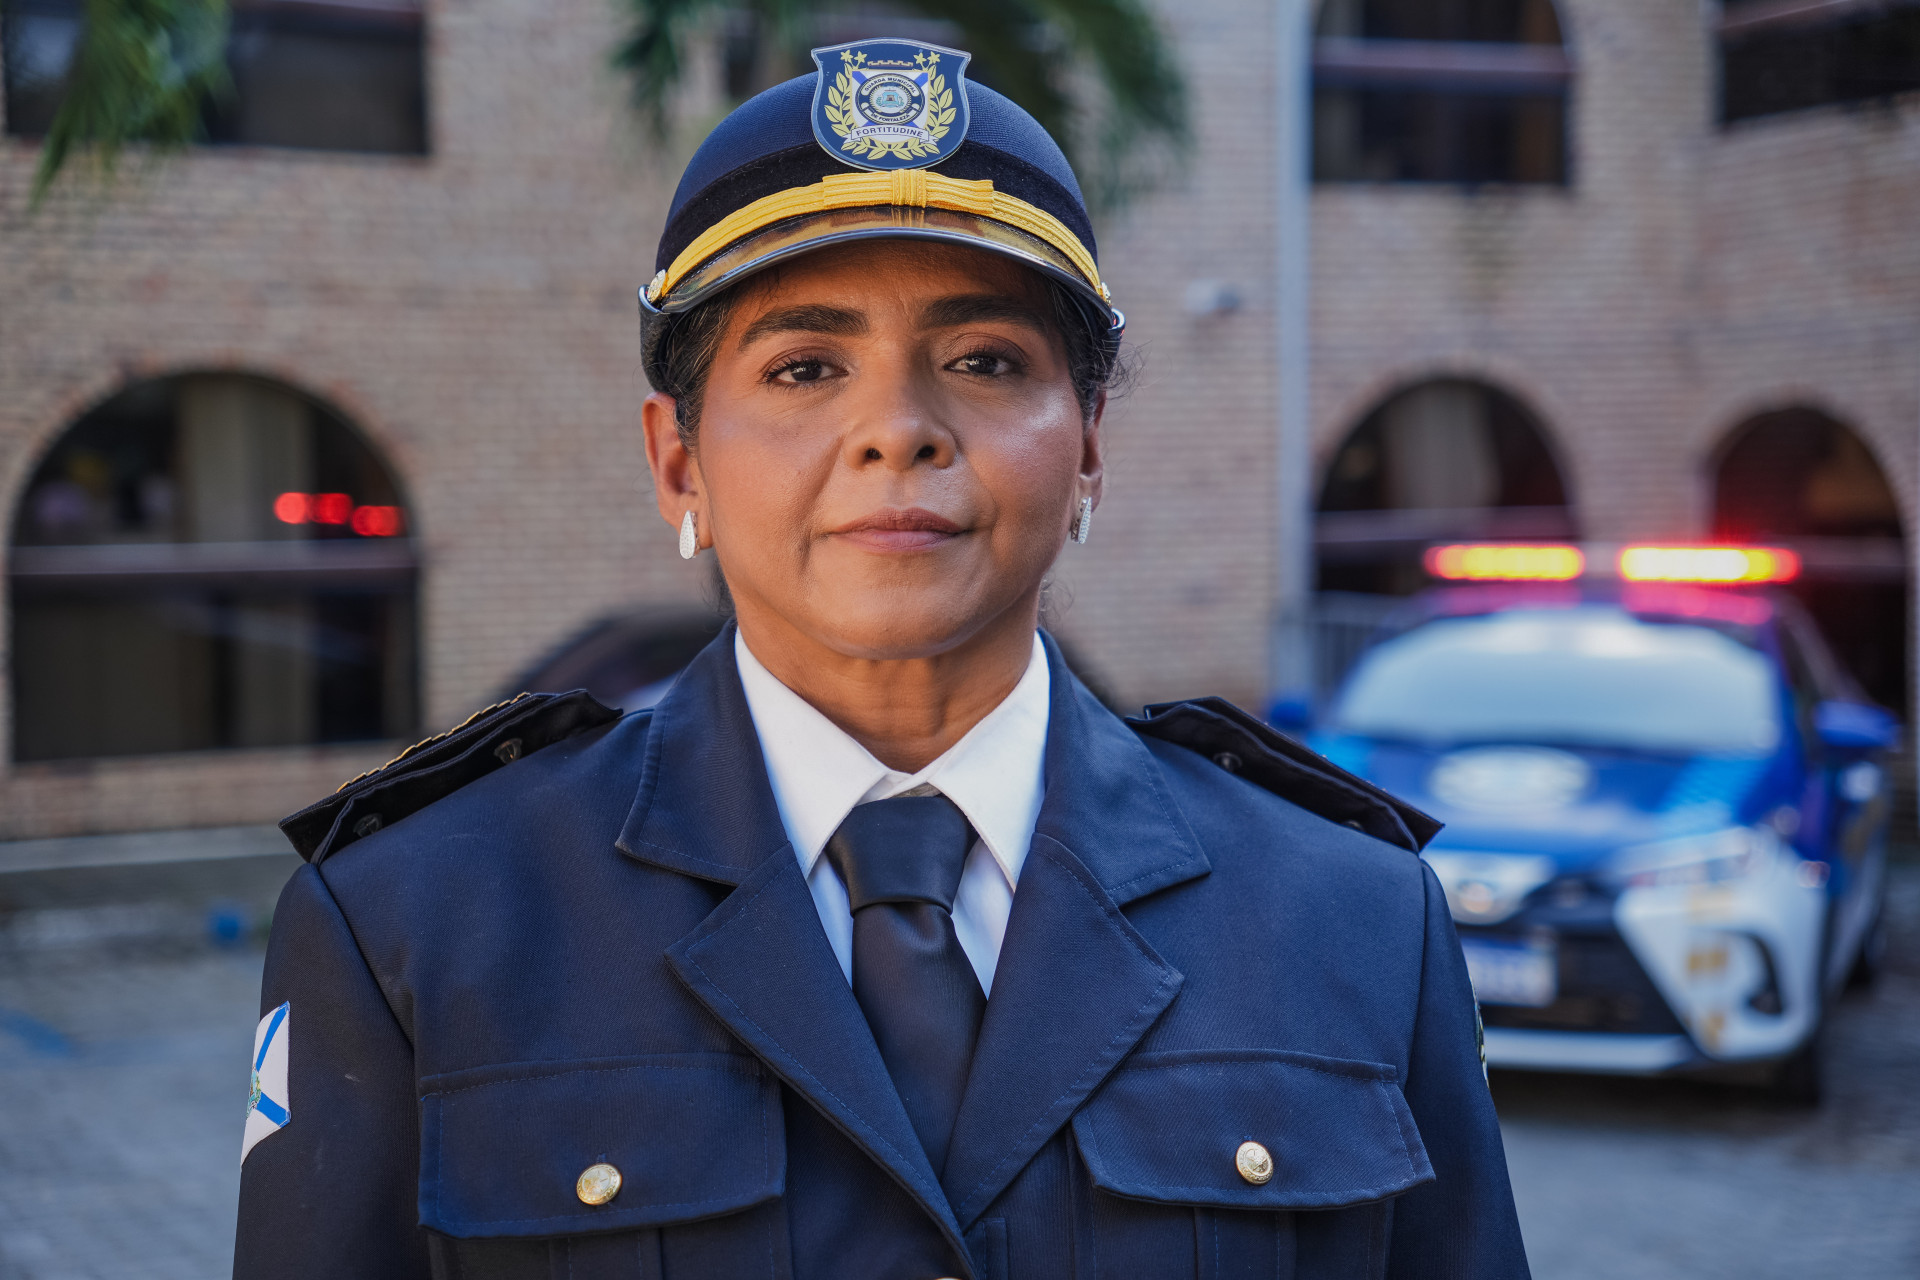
(689, 538)
(1084, 521)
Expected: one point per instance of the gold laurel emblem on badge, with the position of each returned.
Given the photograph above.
(935, 121)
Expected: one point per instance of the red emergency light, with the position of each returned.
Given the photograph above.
(376, 522)
(293, 508)
(338, 508)
(1730, 565)
(1505, 562)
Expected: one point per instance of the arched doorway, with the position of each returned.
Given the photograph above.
(209, 561)
(1440, 461)
(1798, 477)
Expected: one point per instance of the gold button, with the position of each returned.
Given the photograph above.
(601, 1183)
(1254, 1162)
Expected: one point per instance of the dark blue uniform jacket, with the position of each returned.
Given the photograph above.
(605, 951)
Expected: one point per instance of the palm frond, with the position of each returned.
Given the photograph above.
(142, 70)
(655, 49)
(1141, 113)
(1097, 74)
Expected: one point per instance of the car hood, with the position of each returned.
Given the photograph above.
(1574, 805)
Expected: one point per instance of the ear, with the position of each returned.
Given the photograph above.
(1093, 459)
(676, 476)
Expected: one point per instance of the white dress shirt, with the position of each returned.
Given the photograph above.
(994, 774)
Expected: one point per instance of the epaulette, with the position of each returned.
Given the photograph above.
(432, 770)
(1268, 758)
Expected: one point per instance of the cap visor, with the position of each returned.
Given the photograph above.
(796, 236)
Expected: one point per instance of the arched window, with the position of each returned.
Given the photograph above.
(1441, 461)
(1461, 91)
(1798, 477)
(209, 561)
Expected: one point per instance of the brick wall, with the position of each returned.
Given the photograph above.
(1173, 593)
(1689, 276)
(473, 312)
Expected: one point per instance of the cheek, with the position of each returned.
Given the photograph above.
(762, 479)
(1030, 468)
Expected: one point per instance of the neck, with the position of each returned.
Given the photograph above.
(906, 711)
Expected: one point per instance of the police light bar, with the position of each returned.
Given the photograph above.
(1563, 562)
(1708, 564)
(1505, 562)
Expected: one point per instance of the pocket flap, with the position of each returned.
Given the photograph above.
(692, 1135)
(1167, 1127)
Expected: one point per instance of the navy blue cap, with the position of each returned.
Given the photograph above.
(767, 145)
(778, 177)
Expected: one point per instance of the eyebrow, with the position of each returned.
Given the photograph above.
(836, 321)
(976, 308)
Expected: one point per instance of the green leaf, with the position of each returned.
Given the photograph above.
(142, 72)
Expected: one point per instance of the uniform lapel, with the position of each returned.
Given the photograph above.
(1076, 985)
(760, 962)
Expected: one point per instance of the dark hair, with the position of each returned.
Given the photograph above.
(687, 350)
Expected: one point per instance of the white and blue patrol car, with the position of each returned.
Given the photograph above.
(1666, 812)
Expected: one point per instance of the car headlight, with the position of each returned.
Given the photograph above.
(1713, 858)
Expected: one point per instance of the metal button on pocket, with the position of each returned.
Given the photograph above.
(598, 1184)
(1254, 1162)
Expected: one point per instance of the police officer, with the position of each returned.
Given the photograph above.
(878, 949)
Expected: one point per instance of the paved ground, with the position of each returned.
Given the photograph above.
(123, 1077)
(123, 1085)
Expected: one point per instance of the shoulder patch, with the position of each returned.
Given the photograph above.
(434, 769)
(268, 1106)
(1268, 758)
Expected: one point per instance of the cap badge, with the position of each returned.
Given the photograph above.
(890, 104)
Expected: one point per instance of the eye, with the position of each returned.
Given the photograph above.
(984, 364)
(801, 371)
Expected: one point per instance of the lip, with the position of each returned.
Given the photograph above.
(899, 529)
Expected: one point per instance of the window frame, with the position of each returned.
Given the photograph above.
(1463, 69)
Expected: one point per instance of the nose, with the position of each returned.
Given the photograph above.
(892, 426)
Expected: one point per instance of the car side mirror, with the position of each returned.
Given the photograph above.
(1855, 726)
(1291, 713)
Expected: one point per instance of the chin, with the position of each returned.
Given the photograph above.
(894, 625)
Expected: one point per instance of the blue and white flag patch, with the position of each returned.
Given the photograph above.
(268, 1108)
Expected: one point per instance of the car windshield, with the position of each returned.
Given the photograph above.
(1591, 675)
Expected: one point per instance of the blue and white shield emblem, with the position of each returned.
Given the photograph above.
(267, 1103)
(890, 104)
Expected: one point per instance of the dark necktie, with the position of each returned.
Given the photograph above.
(901, 861)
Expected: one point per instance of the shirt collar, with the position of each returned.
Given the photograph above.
(818, 773)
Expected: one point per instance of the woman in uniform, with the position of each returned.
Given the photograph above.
(879, 948)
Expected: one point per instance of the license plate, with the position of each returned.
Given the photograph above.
(1506, 972)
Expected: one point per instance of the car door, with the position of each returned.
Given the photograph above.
(1848, 799)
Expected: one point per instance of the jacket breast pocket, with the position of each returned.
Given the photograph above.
(688, 1153)
(1173, 1194)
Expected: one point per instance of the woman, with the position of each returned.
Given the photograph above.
(879, 948)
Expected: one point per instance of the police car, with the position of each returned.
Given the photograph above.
(1666, 805)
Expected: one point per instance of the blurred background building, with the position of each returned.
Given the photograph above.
(324, 434)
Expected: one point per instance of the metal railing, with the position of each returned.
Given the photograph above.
(1341, 625)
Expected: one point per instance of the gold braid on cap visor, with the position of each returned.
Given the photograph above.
(905, 192)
